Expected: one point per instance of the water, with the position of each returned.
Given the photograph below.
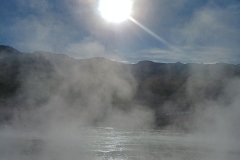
(111, 144)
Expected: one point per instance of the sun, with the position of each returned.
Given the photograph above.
(115, 10)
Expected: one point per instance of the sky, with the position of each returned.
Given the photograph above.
(202, 31)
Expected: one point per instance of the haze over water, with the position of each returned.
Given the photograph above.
(60, 103)
(109, 143)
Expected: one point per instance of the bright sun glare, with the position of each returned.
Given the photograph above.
(115, 10)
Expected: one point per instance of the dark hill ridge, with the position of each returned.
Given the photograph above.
(8, 49)
(9, 64)
(33, 80)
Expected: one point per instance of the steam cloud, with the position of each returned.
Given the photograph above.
(59, 99)
(74, 95)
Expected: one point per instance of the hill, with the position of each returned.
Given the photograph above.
(97, 87)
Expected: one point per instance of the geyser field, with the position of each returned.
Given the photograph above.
(56, 107)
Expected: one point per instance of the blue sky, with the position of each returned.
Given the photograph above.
(198, 30)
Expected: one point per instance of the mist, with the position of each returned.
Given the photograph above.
(70, 109)
(60, 99)
(77, 95)
(77, 105)
(215, 120)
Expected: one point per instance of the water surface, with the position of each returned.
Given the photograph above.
(112, 144)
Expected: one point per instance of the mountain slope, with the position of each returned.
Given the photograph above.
(98, 86)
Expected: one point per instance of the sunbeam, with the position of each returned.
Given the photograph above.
(170, 46)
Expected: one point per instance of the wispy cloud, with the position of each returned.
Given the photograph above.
(86, 49)
(209, 34)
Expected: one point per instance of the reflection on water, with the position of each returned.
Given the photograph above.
(107, 143)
